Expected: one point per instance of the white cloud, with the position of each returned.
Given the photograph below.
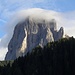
(3, 52)
(2, 20)
(66, 20)
(9, 7)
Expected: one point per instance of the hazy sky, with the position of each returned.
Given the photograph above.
(9, 7)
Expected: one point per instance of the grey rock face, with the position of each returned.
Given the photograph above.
(29, 34)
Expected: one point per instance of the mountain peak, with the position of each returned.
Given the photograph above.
(31, 32)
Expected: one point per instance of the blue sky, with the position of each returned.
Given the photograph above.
(9, 7)
(65, 5)
(58, 5)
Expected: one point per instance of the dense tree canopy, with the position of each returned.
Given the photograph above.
(56, 58)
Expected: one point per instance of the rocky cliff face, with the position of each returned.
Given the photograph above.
(31, 33)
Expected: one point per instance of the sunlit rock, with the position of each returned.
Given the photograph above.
(29, 34)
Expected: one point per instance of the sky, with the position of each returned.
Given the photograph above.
(65, 8)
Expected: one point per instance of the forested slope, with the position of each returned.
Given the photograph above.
(56, 58)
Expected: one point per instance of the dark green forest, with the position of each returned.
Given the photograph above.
(56, 58)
